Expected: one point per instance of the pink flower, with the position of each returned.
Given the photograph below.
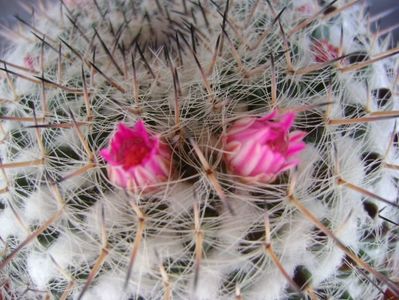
(324, 51)
(137, 160)
(259, 149)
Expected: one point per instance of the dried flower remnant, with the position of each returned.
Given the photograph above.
(30, 62)
(307, 9)
(259, 149)
(136, 159)
(72, 3)
(324, 51)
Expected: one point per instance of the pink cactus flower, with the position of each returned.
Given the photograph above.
(259, 149)
(324, 51)
(137, 160)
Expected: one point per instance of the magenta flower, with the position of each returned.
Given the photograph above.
(324, 51)
(259, 149)
(137, 160)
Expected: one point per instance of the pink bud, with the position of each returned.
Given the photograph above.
(137, 160)
(324, 51)
(259, 149)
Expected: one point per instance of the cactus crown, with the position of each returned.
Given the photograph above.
(191, 71)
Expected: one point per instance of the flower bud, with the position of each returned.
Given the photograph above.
(259, 149)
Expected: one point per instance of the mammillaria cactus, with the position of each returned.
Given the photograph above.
(178, 89)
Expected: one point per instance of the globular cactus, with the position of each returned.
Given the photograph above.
(199, 150)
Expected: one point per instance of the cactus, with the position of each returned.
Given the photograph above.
(322, 224)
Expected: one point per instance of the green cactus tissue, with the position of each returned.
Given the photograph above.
(241, 149)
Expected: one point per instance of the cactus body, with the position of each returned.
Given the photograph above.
(189, 70)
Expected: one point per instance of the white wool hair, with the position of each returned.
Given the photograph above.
(40, 206)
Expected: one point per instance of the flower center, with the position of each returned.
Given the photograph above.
(278, 141)
(133, 152)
